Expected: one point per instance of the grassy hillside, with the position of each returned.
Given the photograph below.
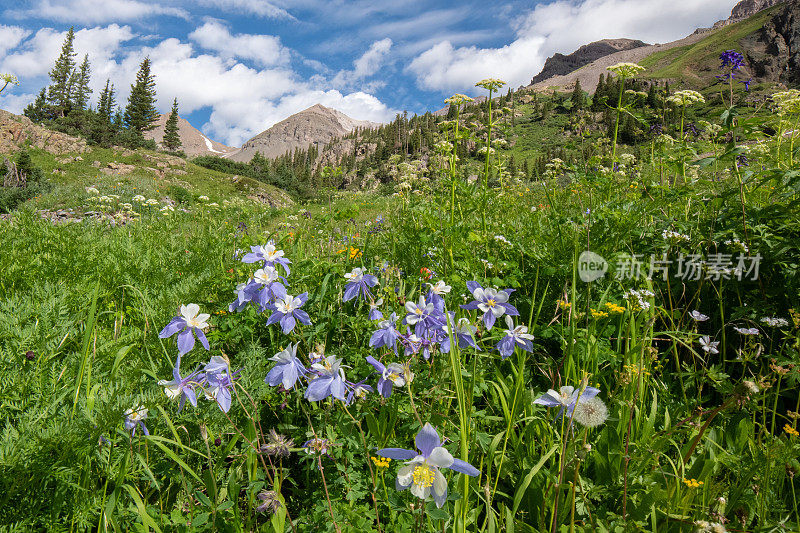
(128, 173)
(699, 62)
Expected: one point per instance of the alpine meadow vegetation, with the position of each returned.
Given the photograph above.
(605, 341)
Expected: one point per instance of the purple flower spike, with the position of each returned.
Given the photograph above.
(358, 283)
(492, 302)
(421, 472)
(566, 398)
(189, 323)
(287, 369)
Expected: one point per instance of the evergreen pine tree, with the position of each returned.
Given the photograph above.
(599, 94)
(107, 102)
(172, 140)
(578, 98)
(140, 113)
(38, 110)
(80, 90)
(61, 76)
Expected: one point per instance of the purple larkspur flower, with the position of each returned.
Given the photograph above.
(218, 380)
(287, 370)
(566, 398)
(287, 309)
(493, 302)
(269, 254)
(189, 322)
(386, 335)
(731, 59)
(135, 418)
(179, 387)
(421, 472)
(358, 283)
(329, 380)
(392, 375)
(515, 336)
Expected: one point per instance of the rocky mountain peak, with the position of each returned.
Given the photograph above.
(193, 142)
(314, 126)
(560, 64)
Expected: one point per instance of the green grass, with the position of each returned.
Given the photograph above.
(699, 61)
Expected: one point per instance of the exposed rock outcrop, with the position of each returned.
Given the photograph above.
(773, 53)
(16, 130)
(560, 64)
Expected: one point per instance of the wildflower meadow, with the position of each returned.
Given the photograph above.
(613, 345)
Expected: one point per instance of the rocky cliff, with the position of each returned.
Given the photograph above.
(560, 64)
(16, 130)
(773, 53)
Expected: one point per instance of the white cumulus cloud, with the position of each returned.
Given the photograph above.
(265, 50)
(10, 37)
(365, 66)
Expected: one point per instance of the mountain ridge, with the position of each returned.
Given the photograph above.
(316, 126)
(193, 141)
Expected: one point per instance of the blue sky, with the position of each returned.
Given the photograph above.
(239, 66)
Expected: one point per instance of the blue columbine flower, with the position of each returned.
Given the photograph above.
(190, 322)
(374, 312)
(269, 254)
(566, 398)
(330, 380)
(356, 390)
(421, 473)
(463, 331)
(219, 380)
(134, 418)
(392, 375)
(358, 282)
(492, 302)
(386, 335)
(436, 294)
(243, 297)
(287, 369)
(263, 287)
(514, 336)
(423, 315)
(287, 309)
(179, 387)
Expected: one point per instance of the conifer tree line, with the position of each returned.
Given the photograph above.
(64, 105)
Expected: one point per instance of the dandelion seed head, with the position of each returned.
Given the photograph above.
(591, 413)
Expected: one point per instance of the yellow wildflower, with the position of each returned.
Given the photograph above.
(790, 430)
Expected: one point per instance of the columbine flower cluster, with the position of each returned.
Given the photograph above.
(267, 291)
(579, 404)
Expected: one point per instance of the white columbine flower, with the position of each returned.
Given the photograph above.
(355, 276)
(440, 288)
(265, 275)
(193, 317)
